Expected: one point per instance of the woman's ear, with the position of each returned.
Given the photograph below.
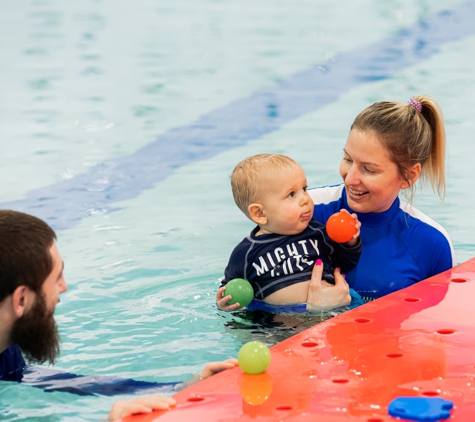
(412, 174)
(256, 214)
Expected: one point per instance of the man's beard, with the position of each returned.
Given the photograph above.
(36, 333)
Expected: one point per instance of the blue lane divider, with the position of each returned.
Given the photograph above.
(65, 204)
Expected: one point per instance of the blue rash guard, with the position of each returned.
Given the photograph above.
(11, 364)
(401, 245)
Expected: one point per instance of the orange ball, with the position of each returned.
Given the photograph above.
(341, 227)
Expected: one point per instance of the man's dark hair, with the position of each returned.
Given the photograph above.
(25, 258)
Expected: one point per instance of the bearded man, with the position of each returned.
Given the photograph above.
(31, 280)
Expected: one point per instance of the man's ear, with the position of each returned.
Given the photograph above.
(412, 174)
(22, 300)
(256, 214)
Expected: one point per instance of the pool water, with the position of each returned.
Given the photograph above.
(120, 123)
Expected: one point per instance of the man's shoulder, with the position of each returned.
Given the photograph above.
(11, 364)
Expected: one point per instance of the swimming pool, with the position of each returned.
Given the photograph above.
(120, 124)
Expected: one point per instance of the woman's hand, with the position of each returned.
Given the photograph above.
(222, 300)
(146, 404)
(323, 296)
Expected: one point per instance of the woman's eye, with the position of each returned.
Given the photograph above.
(348, 160)
(367, 170)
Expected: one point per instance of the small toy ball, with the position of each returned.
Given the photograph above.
(240, 290)
(341, 227)
(254, 357)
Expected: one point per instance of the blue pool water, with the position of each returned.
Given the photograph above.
(120, 123)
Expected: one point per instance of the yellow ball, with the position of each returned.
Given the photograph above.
(254, 357)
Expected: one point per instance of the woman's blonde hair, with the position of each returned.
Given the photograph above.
(412, 133)
(246, 176)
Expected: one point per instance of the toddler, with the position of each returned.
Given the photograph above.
(278, 256)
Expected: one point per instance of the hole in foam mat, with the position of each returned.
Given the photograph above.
(394, 355)
(459, 280)
(445, 331)
(310, 343)
(195, 399)
(362, 320)
(430, 393)
(412, 299)
(284, 408)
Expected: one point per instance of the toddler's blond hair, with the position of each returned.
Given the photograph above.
(245, 178)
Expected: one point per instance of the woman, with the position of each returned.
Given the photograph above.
(390, 146)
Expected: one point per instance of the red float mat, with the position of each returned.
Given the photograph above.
(419, 342)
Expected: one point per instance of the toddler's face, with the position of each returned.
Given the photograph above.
(286, 203)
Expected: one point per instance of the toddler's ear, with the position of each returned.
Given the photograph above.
(256, 214)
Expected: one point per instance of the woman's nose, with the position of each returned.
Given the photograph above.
(352, 176)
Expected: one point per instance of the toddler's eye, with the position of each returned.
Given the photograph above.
(304, 189)
(291, 195)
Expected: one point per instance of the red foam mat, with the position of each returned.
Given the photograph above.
(419, 341)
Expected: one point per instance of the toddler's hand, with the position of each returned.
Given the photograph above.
(352, 242)
(221, 301)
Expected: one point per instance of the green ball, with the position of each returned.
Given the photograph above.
(240, 290)
(254, 357)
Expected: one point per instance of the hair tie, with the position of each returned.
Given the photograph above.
(416, 104)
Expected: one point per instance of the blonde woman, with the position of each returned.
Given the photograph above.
(390, 147)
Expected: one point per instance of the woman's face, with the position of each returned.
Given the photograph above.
(372, 180)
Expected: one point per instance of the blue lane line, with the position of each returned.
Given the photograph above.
(65, 204)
